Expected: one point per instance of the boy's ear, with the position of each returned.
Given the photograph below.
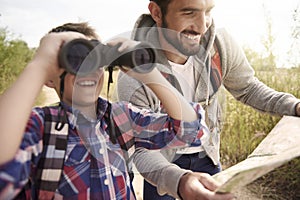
(50, 84)
(155, 12)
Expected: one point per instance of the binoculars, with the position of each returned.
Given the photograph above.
(81, 56)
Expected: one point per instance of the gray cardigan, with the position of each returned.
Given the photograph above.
(237, 77)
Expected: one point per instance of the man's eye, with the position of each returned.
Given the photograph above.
(188, 13)
(208, 11)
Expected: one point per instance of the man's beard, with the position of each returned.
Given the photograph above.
(172, 38)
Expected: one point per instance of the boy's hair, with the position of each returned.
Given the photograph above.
(163, 5)
(82, 27)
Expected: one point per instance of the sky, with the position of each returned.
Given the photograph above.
(31, 19)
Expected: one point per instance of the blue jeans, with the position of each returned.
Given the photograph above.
(196, 162)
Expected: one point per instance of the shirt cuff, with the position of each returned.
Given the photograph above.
(170, 185)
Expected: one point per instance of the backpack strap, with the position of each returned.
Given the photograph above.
(115, 136)
(51, 163)
(216, 69)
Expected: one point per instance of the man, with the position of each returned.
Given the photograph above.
(197, 59)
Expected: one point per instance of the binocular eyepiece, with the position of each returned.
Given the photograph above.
(81, 56)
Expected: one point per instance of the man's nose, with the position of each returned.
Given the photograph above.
(202, 23)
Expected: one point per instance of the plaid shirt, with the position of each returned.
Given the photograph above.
(94, 167)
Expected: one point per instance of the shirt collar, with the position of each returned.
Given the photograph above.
(74, 114)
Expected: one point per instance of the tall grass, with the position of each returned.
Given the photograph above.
(244, 128)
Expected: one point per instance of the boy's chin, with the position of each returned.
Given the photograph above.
(85, 102)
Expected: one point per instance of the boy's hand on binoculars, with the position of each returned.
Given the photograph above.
(125, 43)
(46, 56)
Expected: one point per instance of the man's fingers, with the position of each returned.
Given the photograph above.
(211, 185)
(125, 43)
(200, 186)
(208, 181)
(116, 41)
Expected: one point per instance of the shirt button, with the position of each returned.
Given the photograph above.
(101, 151)
(106, 182)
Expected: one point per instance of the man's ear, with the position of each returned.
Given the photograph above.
(155, 13)
(50, 84)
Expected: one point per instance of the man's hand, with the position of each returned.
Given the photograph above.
(200, 186)
(298, 110)
(125, 43)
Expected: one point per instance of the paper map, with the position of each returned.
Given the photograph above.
(281, 145)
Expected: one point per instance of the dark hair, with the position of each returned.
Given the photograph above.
(82, 27)
(163, 5)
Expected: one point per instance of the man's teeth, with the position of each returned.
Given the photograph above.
(87, 83)
(193, 37)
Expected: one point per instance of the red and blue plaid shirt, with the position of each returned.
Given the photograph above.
(94, 167)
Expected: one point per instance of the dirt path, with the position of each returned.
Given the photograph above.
(50, 96)
(244, 194)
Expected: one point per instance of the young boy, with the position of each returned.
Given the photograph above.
(79, 149)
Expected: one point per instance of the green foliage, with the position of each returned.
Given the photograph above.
(15, 54)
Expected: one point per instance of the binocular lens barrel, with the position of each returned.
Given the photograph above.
(82, 57)
(79, 57)
(144, 59)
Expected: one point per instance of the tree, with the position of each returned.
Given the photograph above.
(268, 43)
(255, 59)
(266, 60)
(15, 54)
(294, 53)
